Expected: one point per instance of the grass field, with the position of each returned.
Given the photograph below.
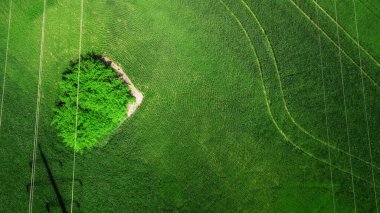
(249, 106)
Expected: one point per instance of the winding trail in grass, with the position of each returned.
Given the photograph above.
(375, 83)
(281, 132)
(273, 56)
(132, 107)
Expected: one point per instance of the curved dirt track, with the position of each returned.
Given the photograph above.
(132, 107)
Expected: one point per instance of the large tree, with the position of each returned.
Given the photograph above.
(102, 103)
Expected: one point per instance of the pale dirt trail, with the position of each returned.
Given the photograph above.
(132, 107)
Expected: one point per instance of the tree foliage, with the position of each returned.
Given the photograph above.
(103, 98)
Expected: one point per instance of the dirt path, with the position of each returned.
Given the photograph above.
(132, 107)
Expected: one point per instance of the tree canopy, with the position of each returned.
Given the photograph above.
(102, 103)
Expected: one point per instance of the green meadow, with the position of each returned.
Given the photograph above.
(249, 106)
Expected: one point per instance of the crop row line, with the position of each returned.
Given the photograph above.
(335, 44)
(356, 42)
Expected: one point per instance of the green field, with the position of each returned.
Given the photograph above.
(249, 106)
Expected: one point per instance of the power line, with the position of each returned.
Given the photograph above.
(345, 105)
(6, 62)
(365, 105)
(325, 112)
(35, 143)
(77, 105)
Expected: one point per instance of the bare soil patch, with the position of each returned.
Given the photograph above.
(132, 107)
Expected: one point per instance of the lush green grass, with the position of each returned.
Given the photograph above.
(234, 112)
(98, 105)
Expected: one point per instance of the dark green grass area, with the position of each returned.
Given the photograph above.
(224, 126)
